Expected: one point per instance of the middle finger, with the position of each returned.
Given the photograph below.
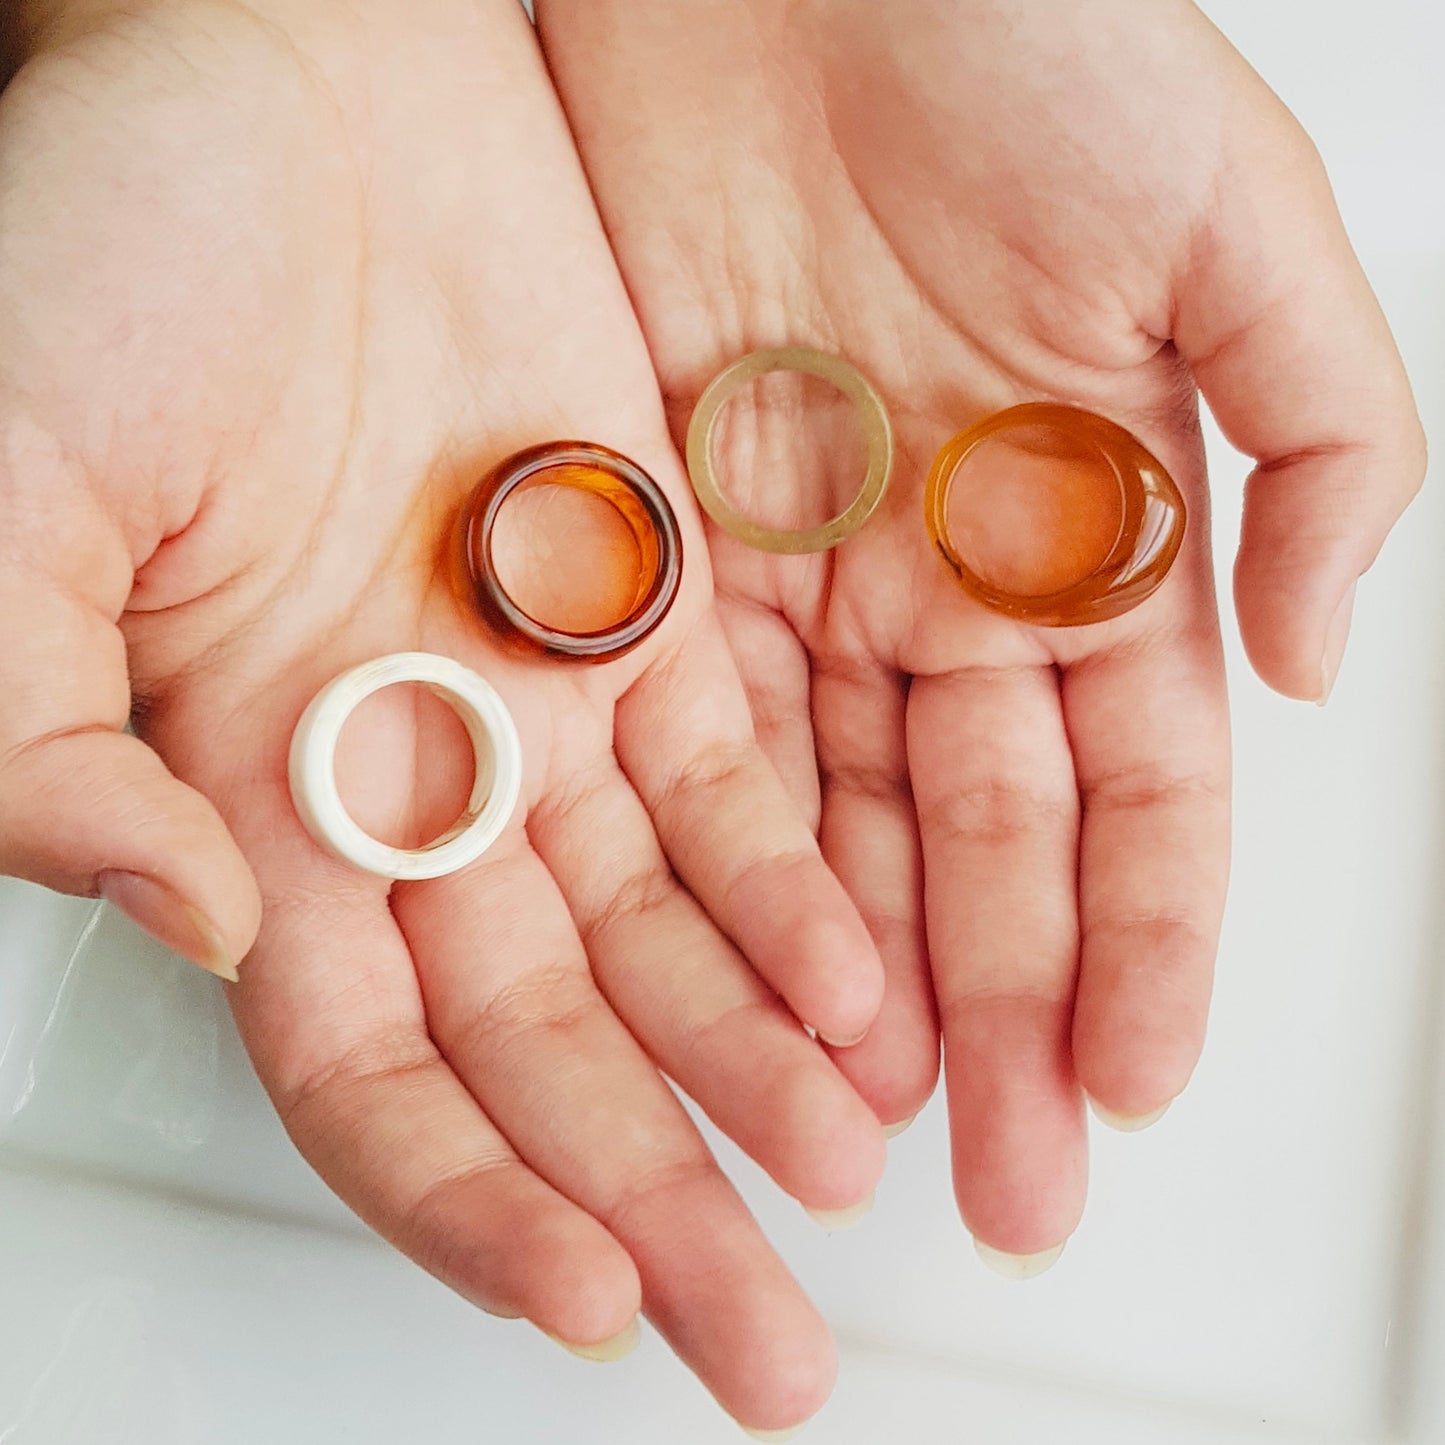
(998, 812)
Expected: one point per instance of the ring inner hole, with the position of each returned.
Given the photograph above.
(1035, 510)
(574, 549)
(405, 767)
(789, 451)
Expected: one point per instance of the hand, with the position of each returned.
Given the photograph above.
(981, 204)
(276, 290)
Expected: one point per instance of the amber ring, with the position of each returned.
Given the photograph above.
(1150, 509)
(497, 776)
(639, 501)
(877, 431)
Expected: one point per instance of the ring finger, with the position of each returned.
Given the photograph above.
(512, 1005)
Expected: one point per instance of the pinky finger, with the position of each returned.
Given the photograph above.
(1154, 860)
(382, 1118)
(401, 1141)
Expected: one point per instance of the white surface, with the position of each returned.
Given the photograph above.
(1265, 1265)
(497, 773)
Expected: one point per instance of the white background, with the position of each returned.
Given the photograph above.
(1264, 1265)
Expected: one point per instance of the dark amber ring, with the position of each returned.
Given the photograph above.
(637, 499)
(1150, 510)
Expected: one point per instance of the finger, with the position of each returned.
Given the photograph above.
(685, 740)
(84, 807)
(998, 816)
(333, 1020)
(694, 1004)
(512, 1005)
(1297, 362)
(774, 667)
(1149, 725)
(869, 838)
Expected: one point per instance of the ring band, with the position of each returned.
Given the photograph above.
(618, 481)
(495, 788)
(877, 431)
(1151, 527)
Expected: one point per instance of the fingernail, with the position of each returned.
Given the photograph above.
(604, 1352)
(774, 1434)
(1017, 1266)
(844, 1043)
(1336, 635)
(165, 915)
(1126, 1123)
(892, 1131)
(842, 1218)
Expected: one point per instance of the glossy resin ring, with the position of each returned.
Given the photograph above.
(496, 786)
(637, 499)
(877, 431)
(1112, 522)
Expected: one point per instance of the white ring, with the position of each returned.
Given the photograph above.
(495, 744)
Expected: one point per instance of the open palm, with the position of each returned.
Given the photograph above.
(983, 204)
(274, 295)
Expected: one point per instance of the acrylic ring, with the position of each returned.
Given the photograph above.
(877, 431)
(495, 790)
(1152, 517)
(633, 494)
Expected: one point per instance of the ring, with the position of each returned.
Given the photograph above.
(877, 431)
(637, 499)
(1151, 513)
(495, 788)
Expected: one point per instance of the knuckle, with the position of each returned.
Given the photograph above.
(716, 768)
(737, 1026)
(394, 1054)
(864, 780)
(998, 811)
(768, 883)
(667, 1188)
(982, 1002)
(1155, 950)
(574, 802)
(553, 1001)
(1136, 789)
(638, 897)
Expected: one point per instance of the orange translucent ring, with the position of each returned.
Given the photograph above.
(1151, 518)
(638, 500)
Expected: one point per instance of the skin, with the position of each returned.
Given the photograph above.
(274, 290)
(253, 352)
(981, 204)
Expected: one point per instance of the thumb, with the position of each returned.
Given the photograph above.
(86, 808)
(1293, 354)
